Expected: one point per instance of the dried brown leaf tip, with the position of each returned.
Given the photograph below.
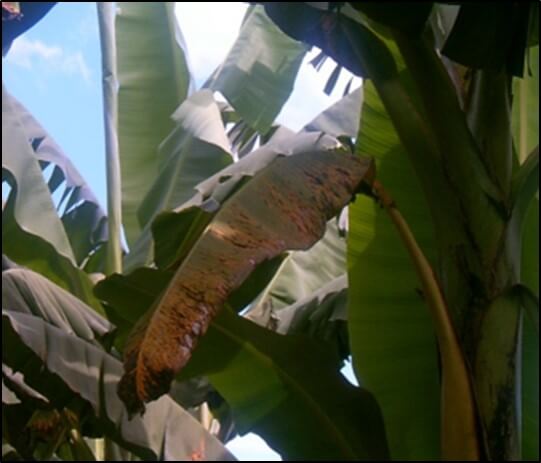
(284, 207)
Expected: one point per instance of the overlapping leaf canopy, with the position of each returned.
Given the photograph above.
(461, 163)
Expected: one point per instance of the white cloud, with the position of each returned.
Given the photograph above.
(74, 63)
(41, 57)
(24, 51)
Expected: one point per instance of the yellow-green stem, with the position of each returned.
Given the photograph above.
(459, 437)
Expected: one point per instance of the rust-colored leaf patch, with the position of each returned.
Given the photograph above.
(284, 207)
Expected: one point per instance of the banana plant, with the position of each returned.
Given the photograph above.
(431, 285)
(438, 117)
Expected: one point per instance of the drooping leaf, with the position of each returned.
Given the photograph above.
(32, 233)
(148, 95)
(60, 359)
(14, 382)
(304, 272)
(284, 207)
(257, 75)
(293, 379)
(28, 292)
(33, 207)
(35, 253)
(146, 282)
(392, 341)
(176, 232)
(83, 237)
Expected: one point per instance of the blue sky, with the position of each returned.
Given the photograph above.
(54, 70)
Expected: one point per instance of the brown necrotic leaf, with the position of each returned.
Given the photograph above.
(284, 207)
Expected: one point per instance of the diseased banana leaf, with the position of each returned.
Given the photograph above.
(285, 206)
(269, 379)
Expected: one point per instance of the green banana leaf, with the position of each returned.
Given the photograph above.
(311, 315)
(78, 204)
(301, 275)
(392, 341)
(153, 78)
(34, 210)
(196, 149)
(32, 231)
(322, 316)
(258, 74)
